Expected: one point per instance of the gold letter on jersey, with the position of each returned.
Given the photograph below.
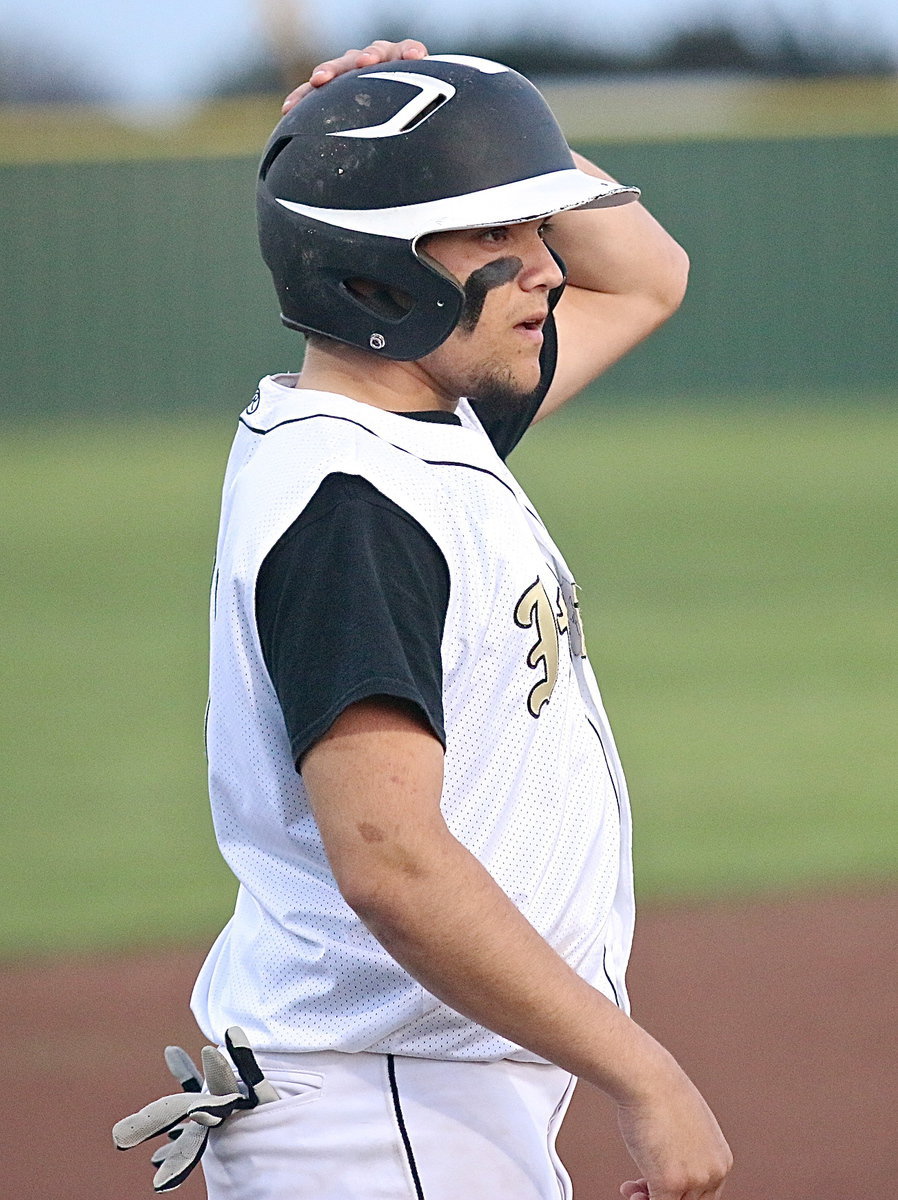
(534, 610)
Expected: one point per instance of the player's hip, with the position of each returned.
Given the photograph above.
(384, 1127)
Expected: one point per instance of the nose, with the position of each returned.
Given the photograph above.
(541, 270)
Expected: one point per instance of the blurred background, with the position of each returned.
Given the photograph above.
(726, 496)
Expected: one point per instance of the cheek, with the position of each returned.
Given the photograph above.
(480, 283)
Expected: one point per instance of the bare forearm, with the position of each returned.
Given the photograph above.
(626, 276)
(620, 250)
(458, 934)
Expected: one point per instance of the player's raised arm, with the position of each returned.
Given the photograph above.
(626, 276)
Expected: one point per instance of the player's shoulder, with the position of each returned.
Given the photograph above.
(349, 495)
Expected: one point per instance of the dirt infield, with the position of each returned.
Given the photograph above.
(782, 1011)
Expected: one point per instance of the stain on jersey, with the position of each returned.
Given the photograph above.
(481, 282)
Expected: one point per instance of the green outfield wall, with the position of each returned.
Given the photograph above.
(131, 278)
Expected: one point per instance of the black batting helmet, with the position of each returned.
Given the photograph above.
(366, 165)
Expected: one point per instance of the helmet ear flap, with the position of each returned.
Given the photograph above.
(317, 268)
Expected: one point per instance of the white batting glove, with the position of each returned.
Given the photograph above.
(188, 1116)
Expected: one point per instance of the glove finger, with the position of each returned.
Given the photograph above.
(159, 1155)
(184, 1069)
(180, 1158)
(213, 1109)
(158, 1117)
(163, 1115)
(220, 1079)
(250, 1072)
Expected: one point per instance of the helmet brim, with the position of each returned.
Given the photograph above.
(507, 204)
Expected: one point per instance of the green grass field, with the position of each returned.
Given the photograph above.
(738, 570)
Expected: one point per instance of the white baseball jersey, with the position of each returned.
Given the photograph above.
(533, 786)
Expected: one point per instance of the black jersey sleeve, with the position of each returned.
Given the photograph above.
(505, 427)
(351, 603)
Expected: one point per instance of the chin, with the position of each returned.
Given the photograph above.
(504, 389)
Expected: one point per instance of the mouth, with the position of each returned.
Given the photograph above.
(532, 327)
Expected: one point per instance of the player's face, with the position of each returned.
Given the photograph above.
(507, 273)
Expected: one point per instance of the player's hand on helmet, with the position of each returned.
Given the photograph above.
(351, 60)
(676, 1143)
(187, 1116)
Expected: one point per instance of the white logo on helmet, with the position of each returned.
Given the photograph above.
(486, 66)
(432, 95)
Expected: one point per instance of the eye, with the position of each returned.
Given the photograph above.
(496, 235)
(545, 228)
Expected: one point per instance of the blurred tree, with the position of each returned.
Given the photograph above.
(291, 41)
(721, 46)
(714, 47)
(261, 75)
(31, 74)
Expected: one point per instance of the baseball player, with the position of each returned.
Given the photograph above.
(411, 772)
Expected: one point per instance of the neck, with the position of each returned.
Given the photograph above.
(395, 386)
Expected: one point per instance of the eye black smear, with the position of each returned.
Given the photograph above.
(483, 280)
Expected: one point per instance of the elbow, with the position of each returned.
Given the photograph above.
(386, 907)
(673, 280)
(369, 898)
(379, 890)
(663, 297)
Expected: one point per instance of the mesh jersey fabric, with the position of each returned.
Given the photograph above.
(295, 967)
(353, 561)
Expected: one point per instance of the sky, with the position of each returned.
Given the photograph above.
(162, 52)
